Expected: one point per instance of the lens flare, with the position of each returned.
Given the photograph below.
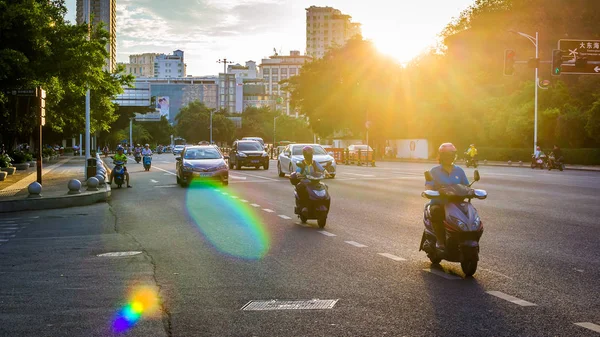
(143, 302)
(237, 231)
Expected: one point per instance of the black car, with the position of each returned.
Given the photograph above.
(248, 153)
(203, 162)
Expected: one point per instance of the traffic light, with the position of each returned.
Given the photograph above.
(557, 55)
(509, 62)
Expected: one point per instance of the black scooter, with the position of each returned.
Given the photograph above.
(555, 163)
(319, 201)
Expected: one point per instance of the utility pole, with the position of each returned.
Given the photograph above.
(86, 16)
(226, 82)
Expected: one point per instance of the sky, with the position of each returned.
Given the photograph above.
(243, 30)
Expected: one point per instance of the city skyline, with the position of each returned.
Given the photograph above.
(243, 30)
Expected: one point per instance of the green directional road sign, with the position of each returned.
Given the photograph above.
(580, 57)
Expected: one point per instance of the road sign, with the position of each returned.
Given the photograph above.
(580, 57)
(21, 92)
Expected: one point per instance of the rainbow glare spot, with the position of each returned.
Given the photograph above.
(231, 226)
(143, 302)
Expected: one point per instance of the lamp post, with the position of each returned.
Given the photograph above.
(274, 119)
(535, 41)
(131, 132)
(211, 125)
(86, 5)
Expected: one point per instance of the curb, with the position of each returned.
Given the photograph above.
(63, 201)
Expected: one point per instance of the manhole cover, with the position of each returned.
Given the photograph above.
(315, 304)
(118, 254)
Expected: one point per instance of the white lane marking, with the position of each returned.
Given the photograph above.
(234, 197)
(166, 162)
(268, 210)
(358, 175)
(255, 176)
(355, 244)
(10, 228)
(442, 274)
(224, 193)
(166, 186)
(2, 240)
(236, 177)
(326, 233)
(154, 181)
(285, 217)
(393, 257)
(506, 175)
(243, 200)
(166, 172)
(35, 217)
(9, 236)
(255, 205)
(7, 221)
(511, 299)
(590, 326)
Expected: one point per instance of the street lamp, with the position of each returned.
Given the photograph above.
(274, 119)
(535, 41)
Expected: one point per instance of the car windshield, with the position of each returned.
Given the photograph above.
(250, 146)
(204, 153)
(318, 150)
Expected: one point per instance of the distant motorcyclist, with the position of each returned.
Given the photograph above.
(305, 168)
(558, 155)
(443, 175)
(472, 151)
(120, 156)
(537, 153)
(146, 151)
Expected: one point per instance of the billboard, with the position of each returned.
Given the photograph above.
(162, 104)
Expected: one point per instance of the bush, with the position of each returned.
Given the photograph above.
(19, 157)
(69, 150)
(5, 160)
(572, 156)
(48, 152)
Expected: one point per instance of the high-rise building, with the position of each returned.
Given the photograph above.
(103, 11)
(249, 71)
(278, 68)
(328, 27)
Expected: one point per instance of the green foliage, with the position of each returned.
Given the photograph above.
(193, 124)
(5, 160)
(160, 132)
(20, 157)
(48, 152)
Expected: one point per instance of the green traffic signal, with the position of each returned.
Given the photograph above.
(557, 56)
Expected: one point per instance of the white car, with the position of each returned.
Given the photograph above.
(292, 154)
(178, 149)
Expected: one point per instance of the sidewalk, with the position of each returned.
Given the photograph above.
(55, 178)
(489, 163)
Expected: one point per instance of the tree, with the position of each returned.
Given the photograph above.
(160, 131)
(193, 124)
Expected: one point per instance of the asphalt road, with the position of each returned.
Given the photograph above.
(211, 249)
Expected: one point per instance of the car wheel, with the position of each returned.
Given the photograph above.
(281, 174)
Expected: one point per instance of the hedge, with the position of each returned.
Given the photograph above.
(572, 156)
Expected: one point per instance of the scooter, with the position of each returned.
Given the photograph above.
(318, 202)
(147, 162)
(462, 224)
(554, 163)
(471, 161)
(138, 157)
(539, 162)
(119, 173)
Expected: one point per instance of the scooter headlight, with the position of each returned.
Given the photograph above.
(321, 193)
(477, 222)
(460, 224)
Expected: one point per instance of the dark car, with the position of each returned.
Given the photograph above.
(203, 162)
(248, 153)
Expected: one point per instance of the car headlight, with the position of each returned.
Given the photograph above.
(188, 167)
(222, 166)
(242, 155)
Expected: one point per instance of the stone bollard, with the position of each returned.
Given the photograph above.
(520, 163)
(35, 190)
(510, 163)
(101, 179)
(74, 186)
(485, 162)
(92, 184)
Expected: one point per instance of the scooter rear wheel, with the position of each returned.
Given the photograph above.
(303, 219)
(469, 267)
(434, 259)
(322, 221)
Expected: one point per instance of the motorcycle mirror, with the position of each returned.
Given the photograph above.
(428, 176)
(477, 176)
(178, 158)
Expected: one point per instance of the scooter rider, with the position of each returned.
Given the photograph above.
(472, 151)
(305, 168)
(120, 156)
(445, 174)
(146, 151)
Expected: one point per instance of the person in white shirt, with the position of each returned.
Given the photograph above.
(146, 150)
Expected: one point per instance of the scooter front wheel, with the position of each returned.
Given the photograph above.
(434, 259)
(469, 267)
(303, 219)
(322, 221)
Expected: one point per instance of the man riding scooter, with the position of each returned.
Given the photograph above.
(472, 156)
(443, 175)
(120, 156)
(306, 168)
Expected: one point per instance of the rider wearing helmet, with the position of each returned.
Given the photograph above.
(472, 151)
(445, 174)
(120, 156)
(307, 167)
(146, 151)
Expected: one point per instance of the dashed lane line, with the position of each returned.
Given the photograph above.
(255, 205)
(392, 257)
(255, 176)
(154, 181)
(268, 210)
(244, 200)
(442, 274)
(234, 197)
(589, 325)
(285, 217)
(166, 171)
(511, 299)
(358, 175)
(326, 233)
(355, 244)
